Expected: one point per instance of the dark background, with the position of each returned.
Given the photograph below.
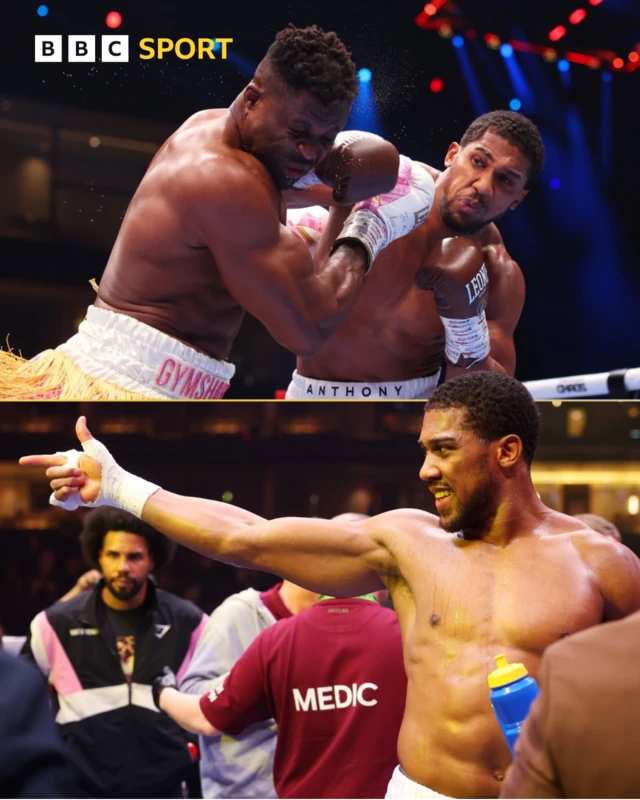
(276, 459)
(577, 246)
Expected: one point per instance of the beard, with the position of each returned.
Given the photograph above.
(123, 593)
(471, 513)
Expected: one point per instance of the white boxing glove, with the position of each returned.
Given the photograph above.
(118, 488)
(378, 221)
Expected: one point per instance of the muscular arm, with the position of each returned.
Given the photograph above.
(332, 557)
(504, 307)
(265, 266)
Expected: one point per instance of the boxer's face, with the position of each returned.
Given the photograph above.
(290, 132)
(458, 471)
(484, 180)
(125, 563)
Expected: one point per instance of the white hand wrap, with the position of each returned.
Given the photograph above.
(466, 339)
(376, 222)
(119, 488)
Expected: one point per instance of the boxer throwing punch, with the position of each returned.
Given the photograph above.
(205, 239)
(449, 289)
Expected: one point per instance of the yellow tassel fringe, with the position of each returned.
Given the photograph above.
(53, 376)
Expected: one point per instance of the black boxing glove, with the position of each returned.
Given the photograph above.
(360, 165)
(166, 680)
(460, 286)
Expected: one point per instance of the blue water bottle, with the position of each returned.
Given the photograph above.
(512, 692)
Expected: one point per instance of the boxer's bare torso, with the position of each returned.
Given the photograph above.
(461, 602)
(161, 270)
(394, 332)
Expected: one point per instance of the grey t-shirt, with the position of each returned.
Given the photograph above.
(233, 766)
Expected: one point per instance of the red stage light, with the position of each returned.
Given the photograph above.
(114, 19)
(430, 9)
(581, 58)
(595, 2)
(618, 63)
(578, 15)
(557, 33)
(436, 85)
(633, 56)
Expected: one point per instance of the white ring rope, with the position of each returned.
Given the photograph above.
(600, 383)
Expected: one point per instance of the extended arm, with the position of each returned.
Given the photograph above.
(337, 558)
(332, 557)
(185, 710)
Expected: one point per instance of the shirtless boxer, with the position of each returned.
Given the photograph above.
(392, 344)
(203, 239)
(516, 576)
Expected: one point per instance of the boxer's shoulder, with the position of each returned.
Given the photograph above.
(402, 522)
(497, 258)
(227, 178)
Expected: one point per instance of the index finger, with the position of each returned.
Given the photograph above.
(43, 461)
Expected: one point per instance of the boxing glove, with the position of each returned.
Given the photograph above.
(460, 284)
(378, 221)
(359, 166)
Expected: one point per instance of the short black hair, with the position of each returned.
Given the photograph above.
(311, 59)
(495, 405)
(517, 129)
(101, 520)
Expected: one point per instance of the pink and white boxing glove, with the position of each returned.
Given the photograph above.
(380, 220)
(308, 224)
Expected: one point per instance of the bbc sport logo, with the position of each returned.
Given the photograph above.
(50, 49)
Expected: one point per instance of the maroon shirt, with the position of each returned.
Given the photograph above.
(333, 678)
(272, 600)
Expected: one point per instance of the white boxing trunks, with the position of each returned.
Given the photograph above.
(123, 351)
(400, 786)
(302, 388)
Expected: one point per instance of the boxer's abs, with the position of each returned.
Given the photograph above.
(378, 343)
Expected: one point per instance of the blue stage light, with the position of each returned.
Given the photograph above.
(515, 104)
(458, 41)
(506, 51)
(364, 75)
(563, 65)
(43, 11)
(606, 77)
(555, 183)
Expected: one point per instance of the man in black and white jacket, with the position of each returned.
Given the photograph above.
(101, 651)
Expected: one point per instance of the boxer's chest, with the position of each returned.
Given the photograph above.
(516, 599)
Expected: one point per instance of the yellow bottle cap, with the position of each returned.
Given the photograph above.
(506, 672)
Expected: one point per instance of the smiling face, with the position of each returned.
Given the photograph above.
(484, 180)
(289, 131)
(458, 470)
